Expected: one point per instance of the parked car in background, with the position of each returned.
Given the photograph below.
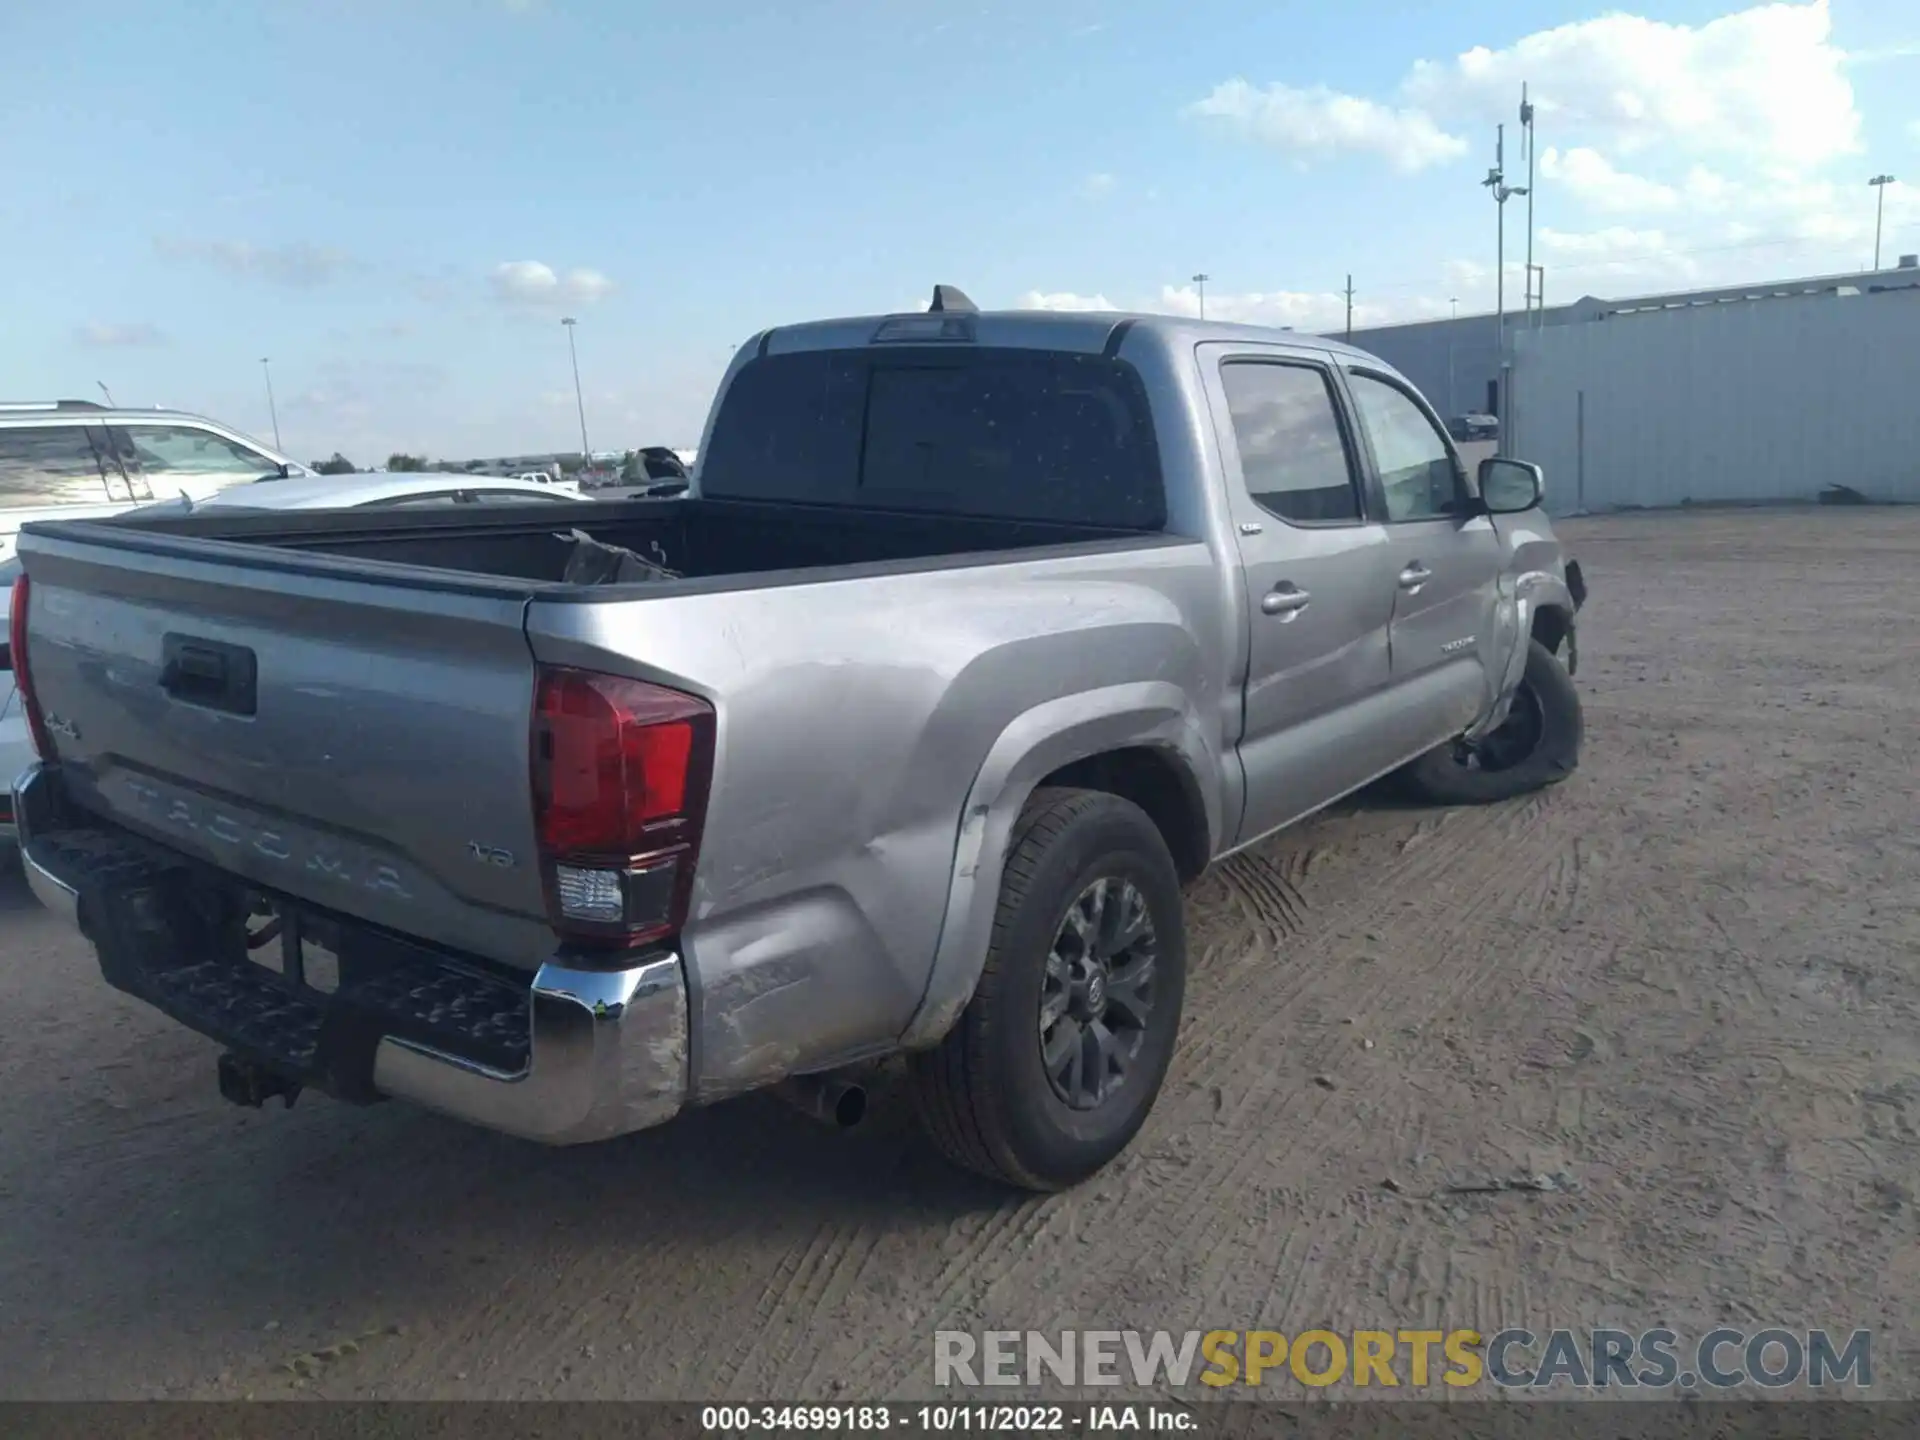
(77, 459)
(308, 492)
(657, 462)
(1474, 427)
(391, 491)
(16, 742)
(305, 492)
(557, 481)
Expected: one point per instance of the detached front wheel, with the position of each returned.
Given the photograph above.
(1537, 745)
(1056, 1062)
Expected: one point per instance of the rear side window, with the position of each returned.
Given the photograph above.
(1015, 434)
(1293, 453)
(49, 465)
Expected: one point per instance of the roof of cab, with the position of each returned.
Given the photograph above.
(1089, 331)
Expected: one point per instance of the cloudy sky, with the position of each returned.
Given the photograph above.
(398, 203)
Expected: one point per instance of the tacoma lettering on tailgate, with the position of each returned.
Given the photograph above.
(331, 861)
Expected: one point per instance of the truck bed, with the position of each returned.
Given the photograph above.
(702, 540)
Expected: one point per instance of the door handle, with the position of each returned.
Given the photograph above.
(1414, 576)
(1284, 600)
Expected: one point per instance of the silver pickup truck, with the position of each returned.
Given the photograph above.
(976, 637)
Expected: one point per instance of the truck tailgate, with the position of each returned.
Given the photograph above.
(356, 740)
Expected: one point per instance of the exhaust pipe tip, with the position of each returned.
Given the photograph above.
(830, 1099)
(851, 1108)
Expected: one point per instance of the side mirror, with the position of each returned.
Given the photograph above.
(1508, 487)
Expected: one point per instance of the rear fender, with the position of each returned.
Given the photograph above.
(1151, 715)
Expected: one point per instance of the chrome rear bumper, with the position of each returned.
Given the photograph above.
(605, 1050)
(609, 1056)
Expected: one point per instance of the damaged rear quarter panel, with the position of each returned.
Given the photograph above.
(854, 717)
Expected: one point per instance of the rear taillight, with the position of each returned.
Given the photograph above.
(620, 776)
(22, 677)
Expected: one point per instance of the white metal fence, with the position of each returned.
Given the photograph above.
(1749, 401)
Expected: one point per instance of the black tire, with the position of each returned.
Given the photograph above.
(985, 1095)
(1537, 746)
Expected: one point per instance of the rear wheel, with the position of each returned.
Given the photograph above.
(1056, 1061)
(1537, 745)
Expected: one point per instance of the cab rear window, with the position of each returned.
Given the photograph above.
(1007, 433)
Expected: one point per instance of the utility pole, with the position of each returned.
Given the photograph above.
(1496, 184)
(1201, 281)
(1349, 309)
(1880, 184)
(1526, 125)
(586, 455)
(272, 412)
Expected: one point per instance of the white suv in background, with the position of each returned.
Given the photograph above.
(16, 744)
(70, 459)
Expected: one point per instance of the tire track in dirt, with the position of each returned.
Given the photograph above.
(789, 1289)
(1374, 897)
(1019, 1221)
(1233, 1148)
(813, 1299)
(1457, 967)
(1267, 899)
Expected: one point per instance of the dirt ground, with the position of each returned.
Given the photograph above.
(1686, 979)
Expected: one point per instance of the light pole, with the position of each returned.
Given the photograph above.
(1879, 183)
(1526, 125)
(1496, 183)
(1201, 281)
(272, 412)
(586, 455)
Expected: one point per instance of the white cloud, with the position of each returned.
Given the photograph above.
(1296, 309)
(1725, 138)
(1682, 155)
(530, 282)
(1592, 179)
(1882, 55)
(1766, 84)
(1062, 300)
(1913, 131)
(1096, 187)
(298, 266)
(1301, 310)
(1614, 260)
(1612, 243)
(119, 337)
(1318, 122)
